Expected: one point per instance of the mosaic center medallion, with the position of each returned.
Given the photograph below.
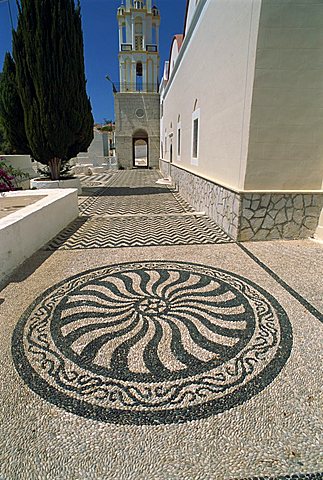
(151, 342)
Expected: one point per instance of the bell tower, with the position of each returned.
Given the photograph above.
(138, 25)
(136, 101)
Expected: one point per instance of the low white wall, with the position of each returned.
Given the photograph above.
(41, 184)
(22, 162)
(23, 232)
(83, 165)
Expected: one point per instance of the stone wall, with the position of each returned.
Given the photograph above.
(219, 203)
(127, 106)
(279, 215)
(249, 216)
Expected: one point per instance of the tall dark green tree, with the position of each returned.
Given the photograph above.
(11, 111)
(48, 51)
(5, 148)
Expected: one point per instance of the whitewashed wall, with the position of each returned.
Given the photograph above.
(99, 144)
(23, 232)
(286, 132)
(217, 70)
(255, 68)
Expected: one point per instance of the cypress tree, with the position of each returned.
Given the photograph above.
(11, 112)
(48, 51)
(4, 145)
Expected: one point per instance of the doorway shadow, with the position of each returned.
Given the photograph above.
(128, 191)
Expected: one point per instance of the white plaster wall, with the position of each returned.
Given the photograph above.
(22, 233)
(217, 69)
(173, 56)
(22, 162)
(98, 145)
(38, 183)
(286, 132)
(190, 13)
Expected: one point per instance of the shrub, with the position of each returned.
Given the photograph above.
(10, 176)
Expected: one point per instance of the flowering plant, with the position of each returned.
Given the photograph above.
(9, 176)
(6, 183)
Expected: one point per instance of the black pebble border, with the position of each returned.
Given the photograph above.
(292, 292)
(295, 476)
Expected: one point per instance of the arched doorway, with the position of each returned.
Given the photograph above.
(140, 149)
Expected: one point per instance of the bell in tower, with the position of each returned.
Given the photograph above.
(137, 101)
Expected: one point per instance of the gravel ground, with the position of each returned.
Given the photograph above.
(184, 361)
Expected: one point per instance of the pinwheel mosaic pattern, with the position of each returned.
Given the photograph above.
(151, 342)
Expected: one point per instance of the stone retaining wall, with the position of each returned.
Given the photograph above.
(279, 216)
(219, 203)
(249, 216)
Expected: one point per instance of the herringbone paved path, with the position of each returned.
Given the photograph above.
(128, 209)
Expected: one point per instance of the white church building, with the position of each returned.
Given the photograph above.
(241, 131)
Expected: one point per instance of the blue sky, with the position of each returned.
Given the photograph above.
(101, 44)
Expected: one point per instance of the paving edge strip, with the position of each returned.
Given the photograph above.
(316, 314)
(289, 289)
(292, 476)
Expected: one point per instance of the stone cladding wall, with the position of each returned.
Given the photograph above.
(249, 216)
(219, 203)
(271, 216)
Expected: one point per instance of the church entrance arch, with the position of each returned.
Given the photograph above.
(140, 149)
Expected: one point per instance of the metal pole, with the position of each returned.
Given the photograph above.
(9, 9)
(10, 14)
(113, 85)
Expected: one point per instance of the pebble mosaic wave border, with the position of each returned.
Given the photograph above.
(37, 354)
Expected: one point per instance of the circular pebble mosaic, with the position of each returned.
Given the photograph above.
(151, 342)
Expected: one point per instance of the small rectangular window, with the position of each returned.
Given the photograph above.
(124, 34)
(179, 142)
(195, 137)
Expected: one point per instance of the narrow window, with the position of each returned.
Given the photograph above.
(195, 137)
(178, 142)
(139, 77)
